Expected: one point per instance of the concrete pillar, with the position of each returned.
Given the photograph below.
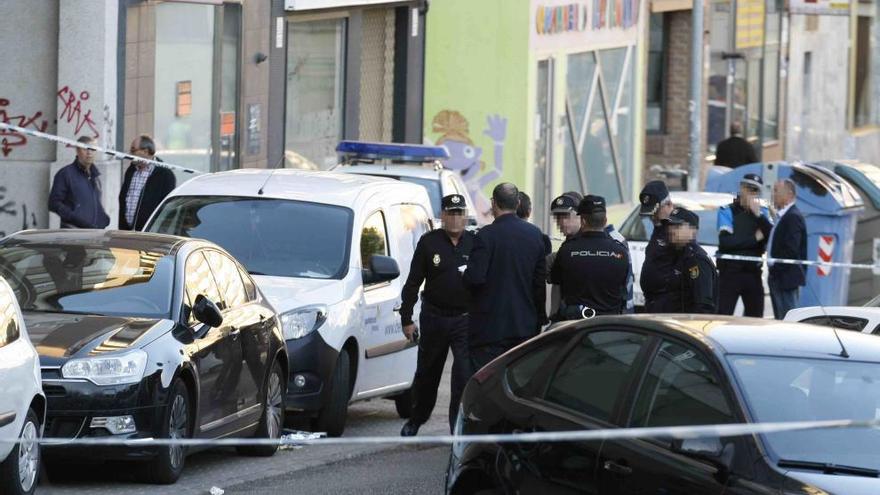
(87, 93)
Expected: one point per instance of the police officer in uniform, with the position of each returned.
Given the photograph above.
(439, 260)
(698, 281)
(564, 211)
(743, 229)
(591, 268)
(658, 271)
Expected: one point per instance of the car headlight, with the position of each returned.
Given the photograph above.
(302, 321)
(110, 370)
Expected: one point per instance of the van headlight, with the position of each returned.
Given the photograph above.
(112, 370)
(302, 321)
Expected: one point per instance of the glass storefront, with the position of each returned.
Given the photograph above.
(196, 73)
(315, 92)
(600, 139)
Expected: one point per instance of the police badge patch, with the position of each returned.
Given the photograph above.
(694, 271)
(436, 260)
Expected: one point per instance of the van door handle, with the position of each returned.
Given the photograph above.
(616, 468)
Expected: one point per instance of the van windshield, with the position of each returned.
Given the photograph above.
(274, 237)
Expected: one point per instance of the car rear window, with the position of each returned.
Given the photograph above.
(275, 237)
(639, 228)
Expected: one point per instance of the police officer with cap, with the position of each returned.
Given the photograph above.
(439, 260)
(658, 271)
(591, 268)
(564, 211)
(743, 229)
(698, 281)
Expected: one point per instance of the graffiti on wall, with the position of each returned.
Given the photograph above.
(467, 158)
(9, 140)
(72, 111)
(8, 208)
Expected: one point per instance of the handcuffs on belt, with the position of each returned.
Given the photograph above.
(570, 312)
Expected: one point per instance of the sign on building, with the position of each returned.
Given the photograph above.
(824, 7)
(749, 24)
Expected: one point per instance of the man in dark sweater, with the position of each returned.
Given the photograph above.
(76, 192)
(743, 229)
(735, 151)
(144, 186)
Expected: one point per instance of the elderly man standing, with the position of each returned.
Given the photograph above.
(76, 192)
(144, 186)
(506, 274)
(788, 240)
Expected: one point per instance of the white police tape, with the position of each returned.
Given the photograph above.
(305, 438)
(829, 264)
(117, 154)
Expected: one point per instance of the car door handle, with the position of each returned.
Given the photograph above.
(397, 309)
(616, 468)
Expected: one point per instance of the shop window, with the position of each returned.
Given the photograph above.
(315, 91)
(196, 84)
(656, 86)
(771, 71)
(866, 104)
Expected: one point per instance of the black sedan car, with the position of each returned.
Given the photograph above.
(146, 336)
(667, 370)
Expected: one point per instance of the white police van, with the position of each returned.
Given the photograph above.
(331, 251)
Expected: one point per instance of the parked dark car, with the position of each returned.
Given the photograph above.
(645, 371)
(146, 336)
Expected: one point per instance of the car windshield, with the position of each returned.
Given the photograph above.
(275, 237)
(87, 279)
(639, 228)
(779, 389)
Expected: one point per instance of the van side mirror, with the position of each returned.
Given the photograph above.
(382, 269)
(207, 312)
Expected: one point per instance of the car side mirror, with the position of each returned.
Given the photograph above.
(207, 312)
(382, 269)
(710, 450)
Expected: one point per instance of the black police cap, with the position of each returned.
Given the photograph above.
(752, 181)
(654, 193)
(591, 204)
(682, 216)
(453, 202)
(566, 203)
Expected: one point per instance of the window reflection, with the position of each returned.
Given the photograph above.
(9, 330)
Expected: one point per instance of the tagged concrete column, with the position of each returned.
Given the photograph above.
(87, 92)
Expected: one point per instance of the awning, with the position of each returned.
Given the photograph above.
(671, 5)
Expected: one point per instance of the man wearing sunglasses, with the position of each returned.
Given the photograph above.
(144, 185)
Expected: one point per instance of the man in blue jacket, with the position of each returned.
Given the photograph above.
(788, 240)
(76, 192)
(506, 274)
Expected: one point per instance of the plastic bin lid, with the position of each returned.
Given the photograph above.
(864, 175)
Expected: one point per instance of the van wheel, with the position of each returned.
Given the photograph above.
(403, 404)
(331, 419)
(21, 469)
(273, 416)
(165, 469)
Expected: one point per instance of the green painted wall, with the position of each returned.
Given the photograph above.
(477, 55)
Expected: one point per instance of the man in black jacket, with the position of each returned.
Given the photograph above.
(76, 192)
(658, 278)
(743, 228)
(788, 240)
(735, 151)
(144, 186)
(697, 288)
(506, 274)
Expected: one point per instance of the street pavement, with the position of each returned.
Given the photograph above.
(344, 469)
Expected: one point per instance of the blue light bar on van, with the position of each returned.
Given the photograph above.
(390, 151)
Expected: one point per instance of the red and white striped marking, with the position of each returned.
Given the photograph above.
(826, 252)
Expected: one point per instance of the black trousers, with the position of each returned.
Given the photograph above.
(439, 334)
(735, 284)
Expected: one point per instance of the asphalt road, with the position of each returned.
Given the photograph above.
(328, 469)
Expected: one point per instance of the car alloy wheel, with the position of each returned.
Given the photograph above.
(274, 406)
(177, 427)
(28, 457)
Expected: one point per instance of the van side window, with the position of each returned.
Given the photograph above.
(415, 222)
(10, 327)
(374, 239)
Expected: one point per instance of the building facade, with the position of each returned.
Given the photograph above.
(547, 94)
